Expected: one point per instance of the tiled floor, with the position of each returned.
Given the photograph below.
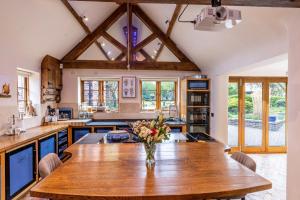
(270, 166)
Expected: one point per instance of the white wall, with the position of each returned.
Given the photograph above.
(219, 102)
(9, 106)
(293, 172)
(129, 107)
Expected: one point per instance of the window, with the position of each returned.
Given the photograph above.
(158, 95)
(105, 93)
(23, 92)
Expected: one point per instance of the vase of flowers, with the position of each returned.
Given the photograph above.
(151, 133)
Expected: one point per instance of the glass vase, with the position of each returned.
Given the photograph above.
(150, 149)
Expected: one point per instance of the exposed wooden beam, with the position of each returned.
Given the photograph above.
(120, 56)
(96, 64)
(142, 51)
(156, 30)
(170, 28)
(256, 3)
(92, 37)
(129, 32)
(146, 55)
(143, 43)
(83, 25)
(115, 42)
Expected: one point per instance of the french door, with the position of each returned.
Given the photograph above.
(257, 114)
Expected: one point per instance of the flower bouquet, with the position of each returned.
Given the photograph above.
(150, 133)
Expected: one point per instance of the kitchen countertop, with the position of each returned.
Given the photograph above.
(125, 123)
(71, 122)
(10, 142)
(107, 123)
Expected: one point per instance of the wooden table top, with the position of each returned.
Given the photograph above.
(118, 171)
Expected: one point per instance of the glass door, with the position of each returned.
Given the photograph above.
(234, 116)
(257, 114)
(253, 116)
(276, 131)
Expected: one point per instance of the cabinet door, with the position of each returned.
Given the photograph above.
(78, 133)
(47, 145)
(20, 170)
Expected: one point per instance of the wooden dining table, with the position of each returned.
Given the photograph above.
(118, 171)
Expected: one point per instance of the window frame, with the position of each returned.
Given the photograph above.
(26, 78)
(158, 94)
(101, 91)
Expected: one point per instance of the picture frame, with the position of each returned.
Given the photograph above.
(129, 87)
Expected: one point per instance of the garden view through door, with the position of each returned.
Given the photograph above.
(254, 124)
(256, 114)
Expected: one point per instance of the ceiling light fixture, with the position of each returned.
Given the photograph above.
(109, 52)
(102, 44)
(85, 18)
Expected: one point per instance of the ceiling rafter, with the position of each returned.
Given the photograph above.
(143, 43)
(163, 38)
(92, 37)
(122, 48)
(101, 64)
(146, 55)
(149, 63)
(256, 3)
(129, 57)
(170, 28)
(83, 25)
(114, 41)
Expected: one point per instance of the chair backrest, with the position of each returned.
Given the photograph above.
(48, 164)
(245, 160)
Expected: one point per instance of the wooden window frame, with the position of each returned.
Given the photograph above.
(158, 94)
(101, 92)
(26, 91)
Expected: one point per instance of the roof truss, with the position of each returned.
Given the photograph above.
(70, 59)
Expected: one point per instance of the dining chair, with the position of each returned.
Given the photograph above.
(246, 161)
(48, 164)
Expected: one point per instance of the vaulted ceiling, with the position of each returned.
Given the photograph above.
(31, 29)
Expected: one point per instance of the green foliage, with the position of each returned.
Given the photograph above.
(233, 105)
(277, 101)
(232, 89)
(248, 104)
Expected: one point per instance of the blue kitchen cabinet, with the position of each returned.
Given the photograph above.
(78, 133)
(20, 170)
(47, 145)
